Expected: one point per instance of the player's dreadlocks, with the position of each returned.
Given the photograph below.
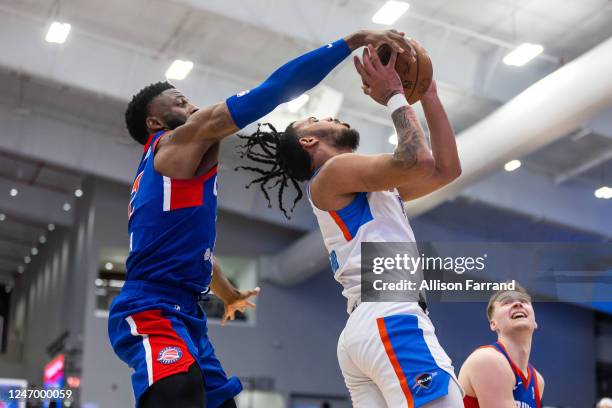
(288, 161)
(137, 110)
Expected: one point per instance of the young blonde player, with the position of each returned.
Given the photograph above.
(499, 375)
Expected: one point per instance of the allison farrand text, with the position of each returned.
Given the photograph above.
(438, 285)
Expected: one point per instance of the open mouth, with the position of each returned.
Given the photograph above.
(518, 315)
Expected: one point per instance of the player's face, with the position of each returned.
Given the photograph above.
(172, 108)
(513, 311)
(336, 133)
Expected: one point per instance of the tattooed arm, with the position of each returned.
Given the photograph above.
(447, 166)
(344, 175)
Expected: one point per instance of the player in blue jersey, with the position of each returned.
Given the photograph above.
(156, 325)
(499, 375)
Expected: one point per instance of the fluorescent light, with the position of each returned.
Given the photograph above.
(523, 54)
(393, 139)
(179, 69)
(34, 251)
(42, 239)
(603, 192)
(66, 207)
(2, 217)
(58, 32)
(390, 12)
(512, 165)
(13, 192)
(20, 268)
(108, 266)
(78, 193)
(51, 227)
(297, 103)
(27, 259)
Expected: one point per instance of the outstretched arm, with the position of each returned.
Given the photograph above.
(233, 299)
(180, 153)
(447, 166)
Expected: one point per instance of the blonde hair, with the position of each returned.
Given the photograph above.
(495, 297)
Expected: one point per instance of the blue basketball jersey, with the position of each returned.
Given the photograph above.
(526, 392)
(172, 226)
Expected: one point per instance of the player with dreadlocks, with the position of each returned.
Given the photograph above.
(156, 325)
(388, 351)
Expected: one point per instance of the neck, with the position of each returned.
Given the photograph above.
(321, 156)
(518, 346)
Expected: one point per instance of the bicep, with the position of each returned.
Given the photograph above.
(351, 173)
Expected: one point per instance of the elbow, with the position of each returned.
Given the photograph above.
(454, 174)
(425, 164)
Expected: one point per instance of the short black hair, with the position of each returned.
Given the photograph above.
(138, 109)
(288, 162)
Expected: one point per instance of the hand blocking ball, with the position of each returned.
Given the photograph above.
(416, 77)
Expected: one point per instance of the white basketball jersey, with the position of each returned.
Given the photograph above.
(370, 217)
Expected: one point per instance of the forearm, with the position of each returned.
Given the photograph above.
(289, 81)
(220, 286)
(442, 138)
(411, 148)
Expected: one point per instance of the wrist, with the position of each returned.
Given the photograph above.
(396, 101)
(355, 40)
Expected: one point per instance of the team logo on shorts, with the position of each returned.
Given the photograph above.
(169, 355)
(423, 381)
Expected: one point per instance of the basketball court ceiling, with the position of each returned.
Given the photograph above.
(62, 104)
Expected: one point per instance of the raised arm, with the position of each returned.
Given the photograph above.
(447, 166)
(180, 153)
(346, 174)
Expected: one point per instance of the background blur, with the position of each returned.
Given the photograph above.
(67, 163)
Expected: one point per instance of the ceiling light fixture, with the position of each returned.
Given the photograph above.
(523, 54)
(179, 69)
(512, 165)
(604, 192)
(390, 12)
(58, 32)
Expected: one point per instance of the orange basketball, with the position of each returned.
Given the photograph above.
(416, 77)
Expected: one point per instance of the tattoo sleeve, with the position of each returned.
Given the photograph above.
(409, 136)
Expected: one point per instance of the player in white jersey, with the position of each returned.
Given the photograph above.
(388, 351)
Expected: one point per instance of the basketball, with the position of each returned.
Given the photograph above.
(416, 77)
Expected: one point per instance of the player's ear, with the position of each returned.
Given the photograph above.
(493, 325)
(308, 141)
(154, 123)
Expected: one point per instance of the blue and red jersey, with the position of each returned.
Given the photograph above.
(526, 390)
(172, 226)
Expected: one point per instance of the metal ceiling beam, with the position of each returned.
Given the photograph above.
(574, 172)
